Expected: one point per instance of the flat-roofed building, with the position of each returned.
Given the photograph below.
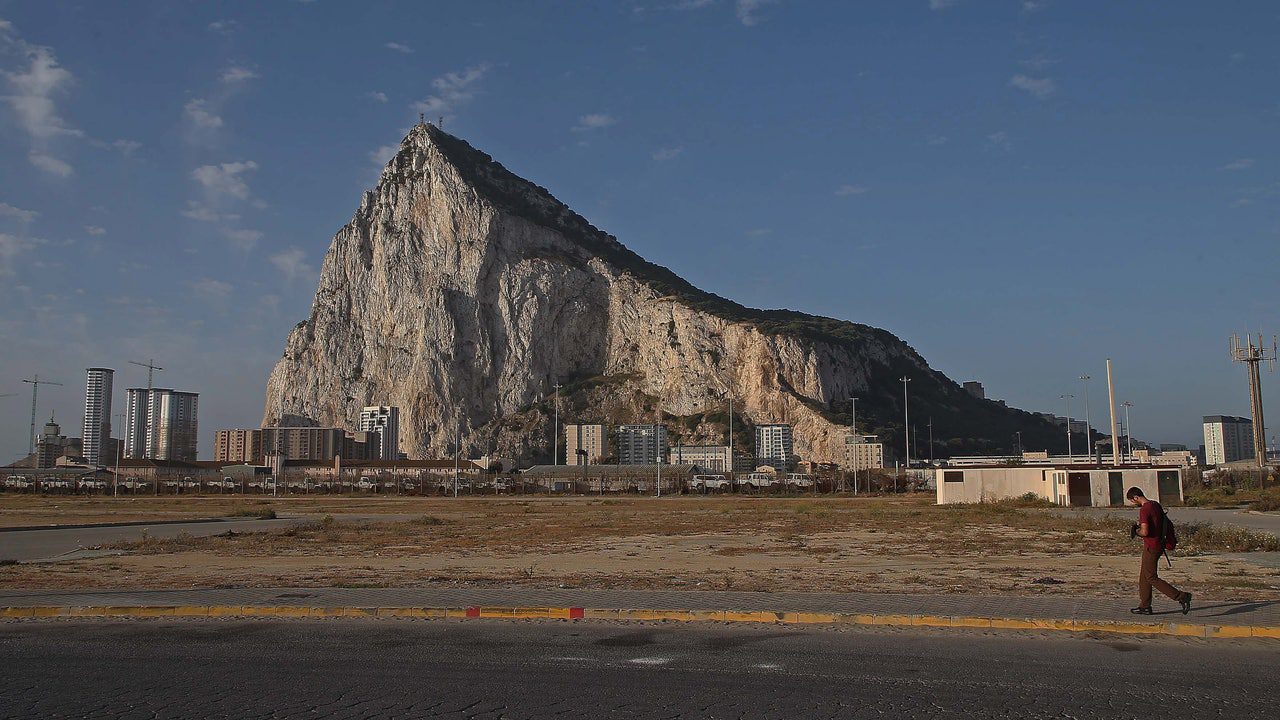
(382, 422)
(775, 446)
(238, 446)
(96, 429)
(710, 458)
(862, 452)
(641, 444)
(1065, 485)
(1227, 439)
(590, 439)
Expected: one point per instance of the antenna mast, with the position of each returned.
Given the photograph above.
(1253, 356)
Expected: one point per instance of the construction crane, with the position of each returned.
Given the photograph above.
(151, 367)
(35, 382)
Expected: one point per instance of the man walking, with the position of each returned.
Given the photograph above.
(1151, 528)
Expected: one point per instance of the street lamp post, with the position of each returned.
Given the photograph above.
(906, 423)
(1070, 456)
(853, 426)
(1088, 426)
(1128, 429)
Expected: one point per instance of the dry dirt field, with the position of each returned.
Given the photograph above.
(875, 544)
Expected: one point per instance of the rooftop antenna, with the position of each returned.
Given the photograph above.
(1253, 356)
(422, 120)
(35, 382)
(440, 122)
(151, 367)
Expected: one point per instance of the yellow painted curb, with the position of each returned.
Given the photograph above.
(566, 613)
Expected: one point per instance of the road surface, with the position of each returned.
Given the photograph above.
(478, 669)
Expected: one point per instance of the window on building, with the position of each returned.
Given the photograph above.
(953, 476)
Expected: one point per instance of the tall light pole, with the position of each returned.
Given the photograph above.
(1128, 429)
(930, 440)
(1071, 458)
(731, 436)
(115, 481)
(906, 421)
(555, 440)
(457, 449)
(853, 427)
(1088, 427)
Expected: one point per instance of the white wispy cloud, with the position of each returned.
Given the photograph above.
(1241, 164)
(50, 164)
(692, 4)
(667, 153)
(292, 263)
(23, 216)
(941, 4)
(759, 232)
(382, 155)
(746, 10)
(203, 213)
(452, 90)
(225, 179)
(1000, 141)
(95, 230)
(936, 140)
(198, 113)
(224, 27)
(1030, 6)
(211, 289)
(1039, 88)
(378, 96)
(243, 238)
(237, 74)
(594, 121)
(33, 88)
(11, 246)
(398, 47)
(851, 190)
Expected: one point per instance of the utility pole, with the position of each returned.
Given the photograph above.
(1071, 458)
(151, 367)
(1111, 401)
(906, 421)
(1088, 427)
(457, 449)
(931, 440)
(115, 481)
(731, 478)
(1018, 434)
(35, 382)
(1253, 356)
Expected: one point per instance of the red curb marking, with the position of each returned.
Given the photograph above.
(473, 612)
(575, 613)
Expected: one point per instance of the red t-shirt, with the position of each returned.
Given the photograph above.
(1153, 515)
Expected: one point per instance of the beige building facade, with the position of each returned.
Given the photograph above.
(861, 452)
(590, 439)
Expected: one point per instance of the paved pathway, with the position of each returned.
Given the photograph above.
(1268, 522)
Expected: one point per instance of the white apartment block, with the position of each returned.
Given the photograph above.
(96, 430)
(1227, 439)
(382, 421)
(590, 439)
(712, 458)
(641, 444)
(862, 452)
(774, 447)
(161, 424)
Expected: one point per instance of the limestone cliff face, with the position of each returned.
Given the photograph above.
(461, 293)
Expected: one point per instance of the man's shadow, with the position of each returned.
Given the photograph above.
(1231, 608)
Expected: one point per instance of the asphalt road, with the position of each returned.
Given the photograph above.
(1268, 522)
(473, 669)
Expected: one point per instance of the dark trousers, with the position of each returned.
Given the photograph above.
(1150, 577)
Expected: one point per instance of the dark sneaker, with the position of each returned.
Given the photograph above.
(1140, 610)
(1185, 602)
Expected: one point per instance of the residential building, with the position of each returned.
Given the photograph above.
(51, 445)
(1227, 439)
(641, 444)
(97, 414)
(162, 424)
(1066, 485)
(775, 447)
(590, 439)
(711, 458)
(862, 452)
(974, 388)
(238, 446)
(382, 421)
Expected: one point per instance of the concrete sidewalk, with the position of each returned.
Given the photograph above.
(1207, 619)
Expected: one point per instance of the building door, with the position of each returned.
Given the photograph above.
(1115, 481)
(1168, 482)
(1078, 490)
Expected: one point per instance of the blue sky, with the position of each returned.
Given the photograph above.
(1019, 189)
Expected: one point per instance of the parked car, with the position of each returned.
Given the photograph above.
(756, 481)
(710, 483)
(800, 481)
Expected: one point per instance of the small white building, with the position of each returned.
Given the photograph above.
(1066, 485)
